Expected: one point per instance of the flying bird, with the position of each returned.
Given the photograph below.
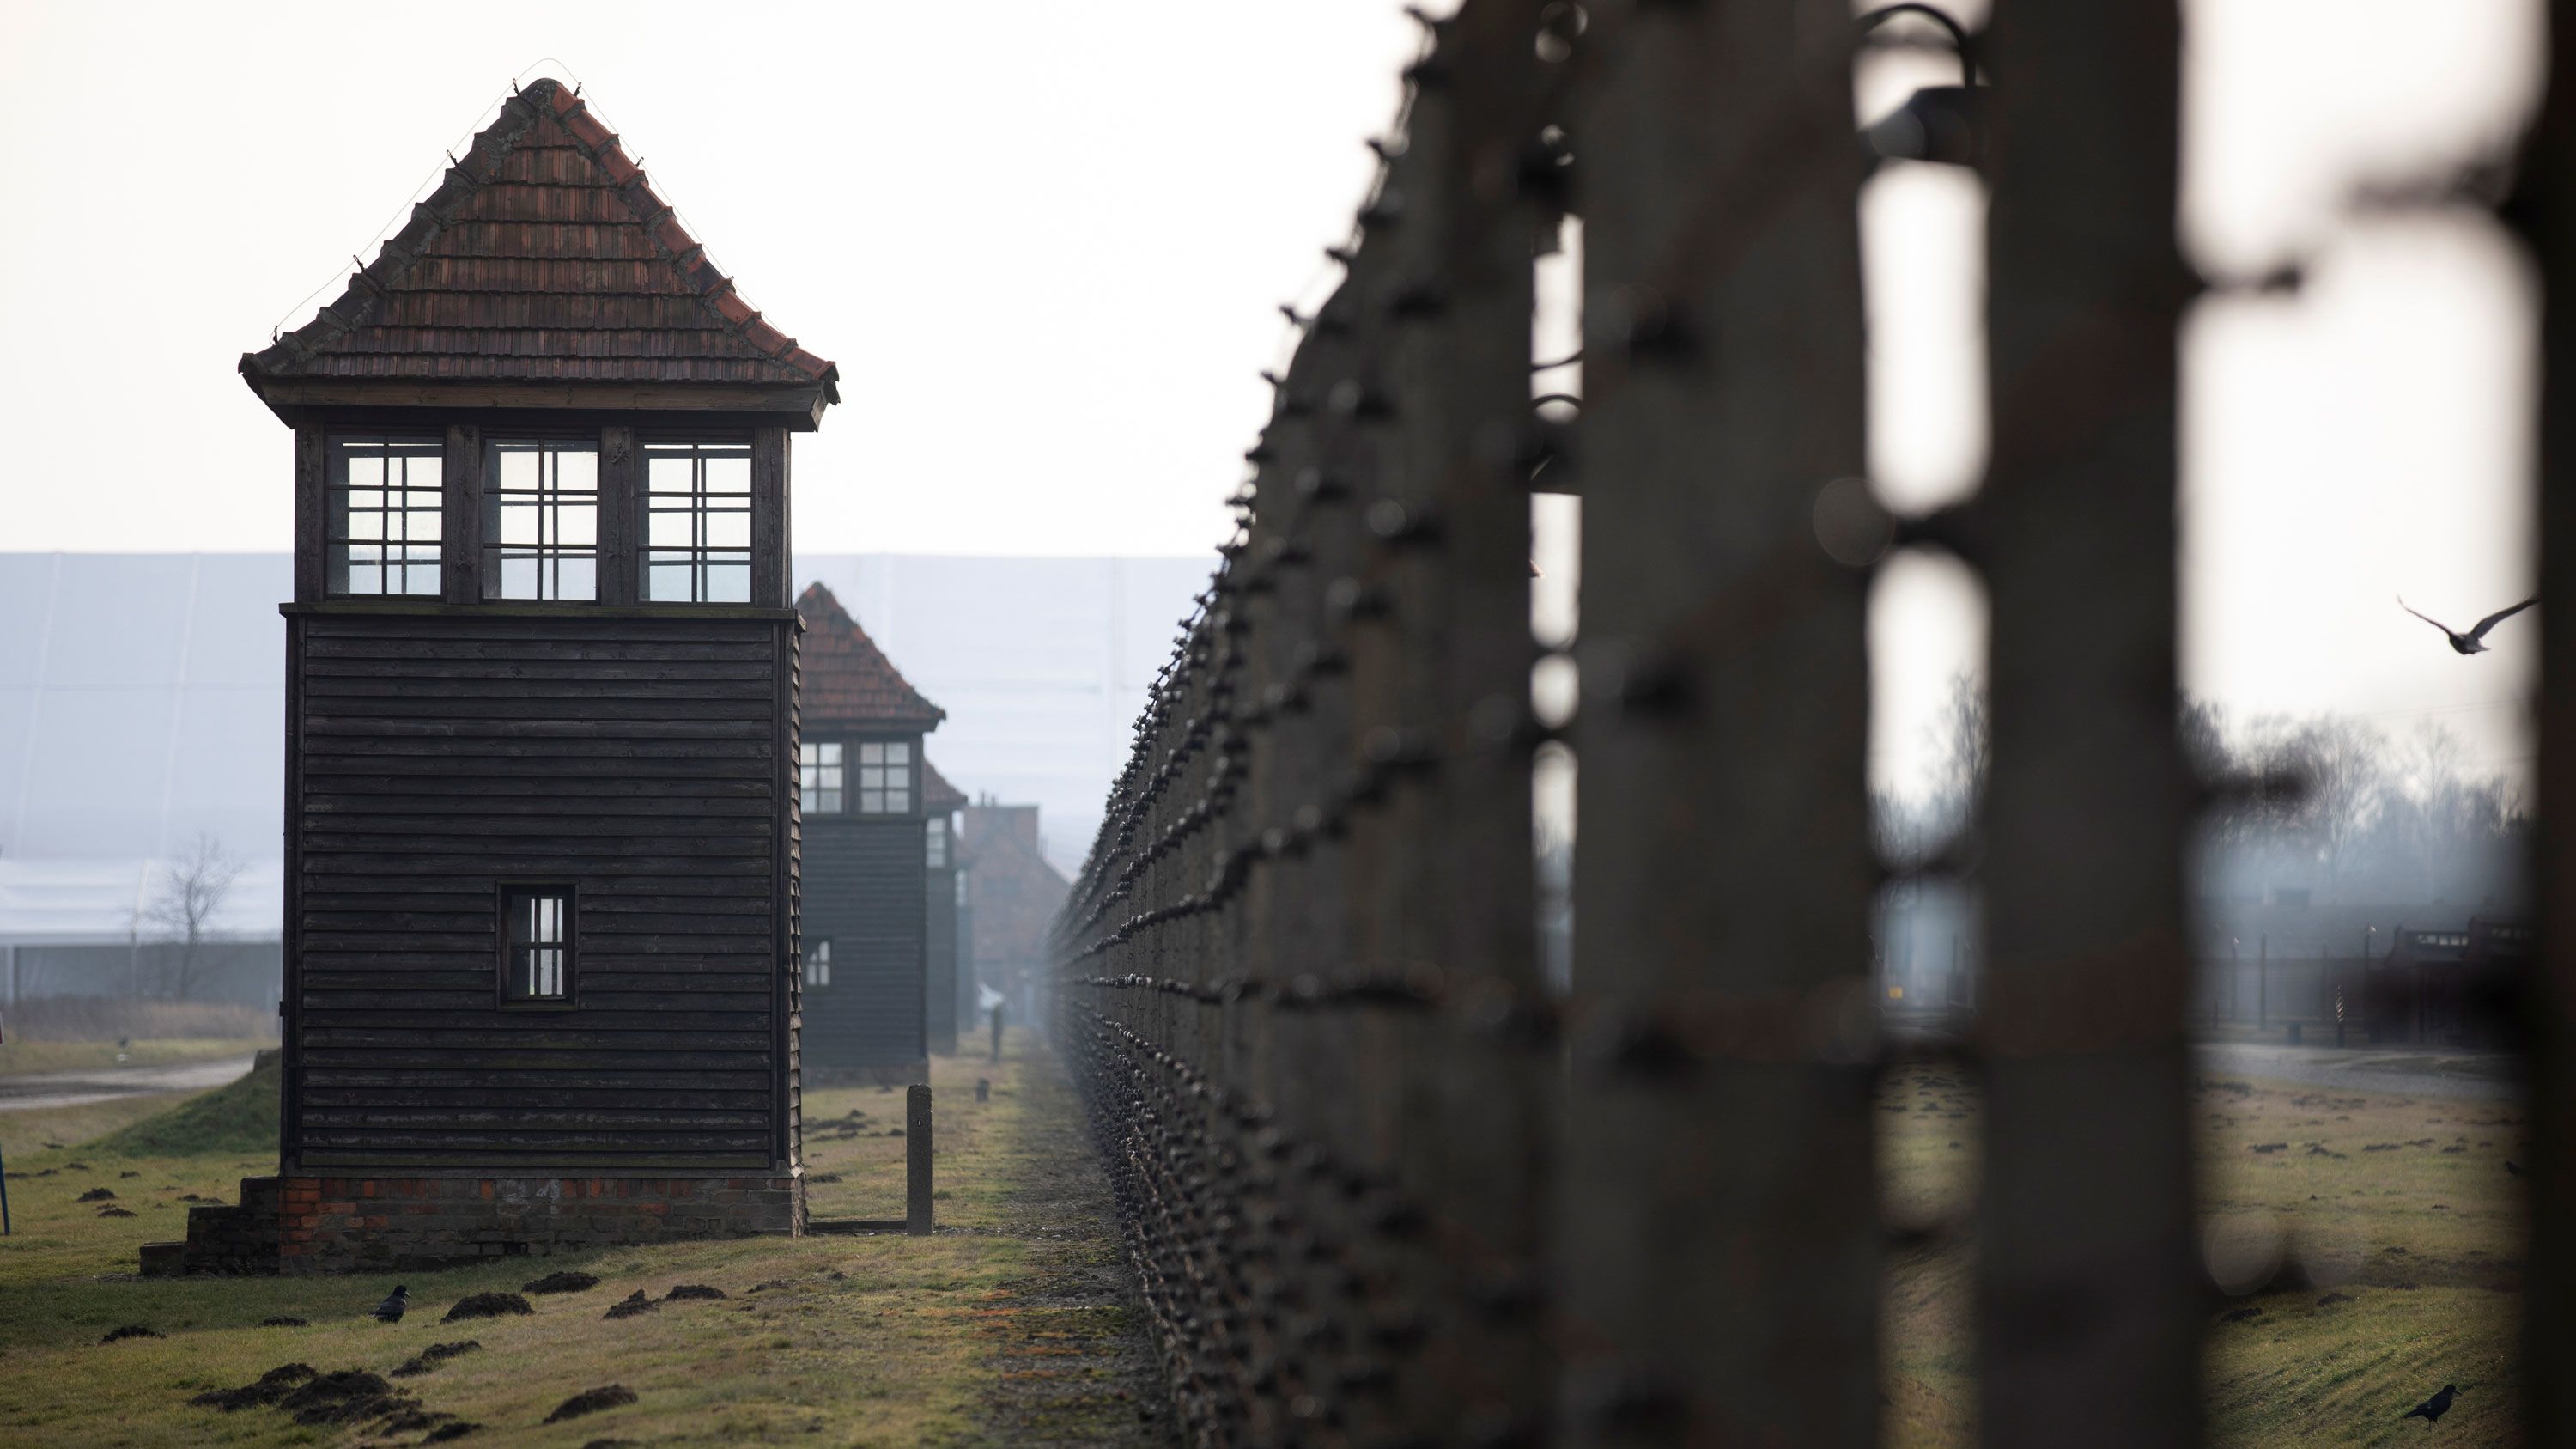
(391, 1310)
(2473, 642)
(2432, 1408)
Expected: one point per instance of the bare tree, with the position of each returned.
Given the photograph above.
(192, 891)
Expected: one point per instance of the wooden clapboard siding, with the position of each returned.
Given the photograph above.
(643, 762)
(864, 883)
(939, 939)
(789, 1078)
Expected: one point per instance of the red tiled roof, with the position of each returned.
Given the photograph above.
(544, 255)
(847, 678)
(938, 797)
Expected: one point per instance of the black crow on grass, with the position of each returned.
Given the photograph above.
(391, 1310)
(2432, 1408)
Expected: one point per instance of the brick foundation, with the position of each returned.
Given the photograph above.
(340, 1224)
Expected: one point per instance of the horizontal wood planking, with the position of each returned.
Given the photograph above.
(865, 882)
(939, 949)
(638, 761)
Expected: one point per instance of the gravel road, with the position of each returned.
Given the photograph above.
(2395, 1071)
(33, 1090)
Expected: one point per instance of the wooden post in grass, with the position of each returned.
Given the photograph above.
(916, 1161)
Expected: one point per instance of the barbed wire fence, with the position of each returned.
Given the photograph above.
(1382, 1183)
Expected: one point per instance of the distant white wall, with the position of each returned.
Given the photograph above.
(142, 696)
(142, 701)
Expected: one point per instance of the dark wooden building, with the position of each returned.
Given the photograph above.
(1014, 893)
(2453, 986)
(943, 906)
(861, 781)
(541, 834)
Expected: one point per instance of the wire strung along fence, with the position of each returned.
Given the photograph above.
(1383, 1182)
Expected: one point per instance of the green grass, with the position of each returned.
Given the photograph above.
(19, 1057)
(2423, 1236)
(870, 1340)
(237, 1119)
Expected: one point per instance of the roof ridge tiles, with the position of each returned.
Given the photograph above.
(311, 348)
(846, 677)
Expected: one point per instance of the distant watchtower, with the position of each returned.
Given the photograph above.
(945, 903)
(541, 831)
(866, 852)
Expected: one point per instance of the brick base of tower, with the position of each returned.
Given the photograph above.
(349, 1224)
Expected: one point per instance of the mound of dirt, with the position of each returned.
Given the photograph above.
(634, 1303)
(97, 1194)
(428, 1359)
(591, 1401)
(270, 1387)
(351, 1396)
(281, 1321)
(487, 1305)
(691, 1290)
(456, 1430)
(113, 1211)
(131, 1330)
(565, 1281)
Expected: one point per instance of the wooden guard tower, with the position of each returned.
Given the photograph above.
(866, 881)
(942, 904)
(541, 830)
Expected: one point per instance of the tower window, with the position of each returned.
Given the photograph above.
(541, 520)
(818, 776)
(697, 523)
(382, 500)
(536, 944)
(885, 778)
(937, 835)
(818, 964)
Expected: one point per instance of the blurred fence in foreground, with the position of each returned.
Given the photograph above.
(1383, 1184)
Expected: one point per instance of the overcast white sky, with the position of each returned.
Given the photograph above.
(1045, 241)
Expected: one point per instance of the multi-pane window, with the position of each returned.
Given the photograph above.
(885, 777)
(382, 505)
(541, 520)
(819, 776)
(937, 835)
(818, 964)
(697, 523)
(536, 944)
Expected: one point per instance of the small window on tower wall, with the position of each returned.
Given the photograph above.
(818, 964)
(885, 778)
(382, 526)
(536, 944)
(818, 777)
(938, 837)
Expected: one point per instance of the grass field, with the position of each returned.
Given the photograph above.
(2375, 1239)
(1007, 1327)
(19, 1057)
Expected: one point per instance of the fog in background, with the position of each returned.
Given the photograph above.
(1045, 244)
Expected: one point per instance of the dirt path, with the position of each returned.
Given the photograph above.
(2395, 1072)
(1074, 1362)
(34, 1090)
